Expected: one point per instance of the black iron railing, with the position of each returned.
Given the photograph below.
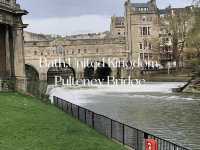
(112, 129)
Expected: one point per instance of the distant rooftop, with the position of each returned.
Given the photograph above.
(119, 20)
(140, 5)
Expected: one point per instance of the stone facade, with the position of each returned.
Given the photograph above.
(142, 31)
(11, 43)
(75, 50)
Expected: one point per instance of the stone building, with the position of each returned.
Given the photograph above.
(117, 27)
(142, 25)
(11, 43)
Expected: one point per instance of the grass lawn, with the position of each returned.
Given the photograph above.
(28, 124)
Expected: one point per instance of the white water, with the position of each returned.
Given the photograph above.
(79, 95)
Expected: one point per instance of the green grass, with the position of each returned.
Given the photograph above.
(28, 124)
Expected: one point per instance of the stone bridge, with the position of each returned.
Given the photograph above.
(41, 57)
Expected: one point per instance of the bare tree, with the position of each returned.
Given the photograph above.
(196, 2)
(193, 39)
(178, 27)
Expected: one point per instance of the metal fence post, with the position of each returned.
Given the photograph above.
(71, 109)
(137, 139)
(67, 108)
(78, 112)
(92, 119)
(62, 105)
(123, 132)
(111, 124)
(85, 111)
(57, 101)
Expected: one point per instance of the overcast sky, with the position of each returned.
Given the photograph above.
(66, 17)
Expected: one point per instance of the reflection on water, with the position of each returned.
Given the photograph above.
(174, 117)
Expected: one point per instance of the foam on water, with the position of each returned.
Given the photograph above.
(79, 95)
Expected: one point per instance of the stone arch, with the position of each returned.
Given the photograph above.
(103, 71)
(31, 73)
(89, 72)
(63, 70)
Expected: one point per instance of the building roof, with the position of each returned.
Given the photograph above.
(119, 20)
(140, 5)
(162, 11)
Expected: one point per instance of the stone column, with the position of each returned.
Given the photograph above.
(8, 58)
(19, 59)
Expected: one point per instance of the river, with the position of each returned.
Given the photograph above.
(151, 107)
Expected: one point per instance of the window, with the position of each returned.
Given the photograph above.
(119, 33)
(140, 46)
(97, 50)
(72, 52)
(85, 50)
(150, 46)
(145, 30)
(35, 53)
(148, 29)
(145, 44)
(79, 51)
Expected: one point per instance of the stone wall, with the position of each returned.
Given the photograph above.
(75, 50)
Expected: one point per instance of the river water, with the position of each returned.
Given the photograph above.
(151, 107)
